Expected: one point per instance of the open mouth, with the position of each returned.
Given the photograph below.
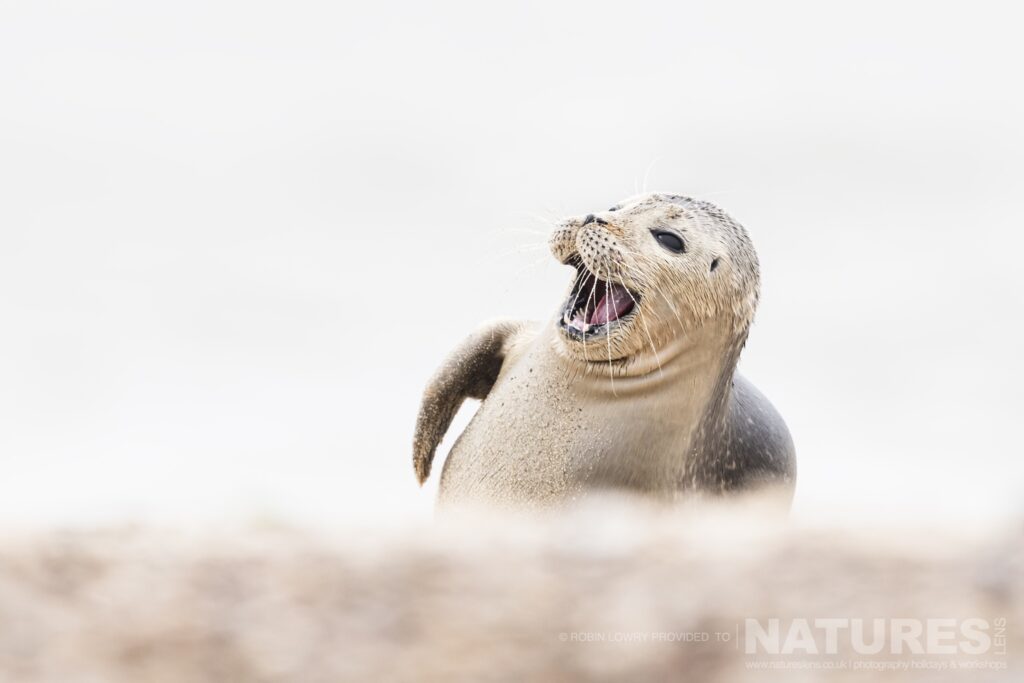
(595, 305)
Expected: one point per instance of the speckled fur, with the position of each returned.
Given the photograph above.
(652, 405)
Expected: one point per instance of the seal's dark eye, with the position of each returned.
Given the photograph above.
(670, 240)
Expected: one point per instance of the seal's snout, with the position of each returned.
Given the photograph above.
(563, 242)
(602, 250)
(574, 236)
(601, 297)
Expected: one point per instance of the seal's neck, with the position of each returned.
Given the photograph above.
(687, 384)
(695, 361)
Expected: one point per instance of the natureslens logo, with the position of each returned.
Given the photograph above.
(839, 635)
(838, 643)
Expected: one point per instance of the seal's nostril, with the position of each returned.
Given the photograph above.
(600, 221)
(589, 219)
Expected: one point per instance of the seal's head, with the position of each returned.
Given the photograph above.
(650, 269)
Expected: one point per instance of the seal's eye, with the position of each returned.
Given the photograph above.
(669, 240)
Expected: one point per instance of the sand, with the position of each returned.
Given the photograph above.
(604, 592)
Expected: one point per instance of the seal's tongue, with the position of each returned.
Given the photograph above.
(615, 303)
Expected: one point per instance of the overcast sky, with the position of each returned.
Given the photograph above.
(236, 238)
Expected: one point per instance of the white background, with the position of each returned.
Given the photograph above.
(236, 238)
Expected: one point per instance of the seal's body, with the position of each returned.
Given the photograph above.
(632, 386)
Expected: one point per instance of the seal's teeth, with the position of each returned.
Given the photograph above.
(576, 321)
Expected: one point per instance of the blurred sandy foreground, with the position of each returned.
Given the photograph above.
(608, 591)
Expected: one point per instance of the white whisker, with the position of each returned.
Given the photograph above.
(608, 338)
(648, 171)
(640, 314)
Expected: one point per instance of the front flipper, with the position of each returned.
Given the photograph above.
(468, 372)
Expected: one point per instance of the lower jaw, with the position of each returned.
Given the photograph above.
(593, 334)
(598, 350)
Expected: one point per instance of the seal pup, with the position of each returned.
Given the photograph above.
(631, 386)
